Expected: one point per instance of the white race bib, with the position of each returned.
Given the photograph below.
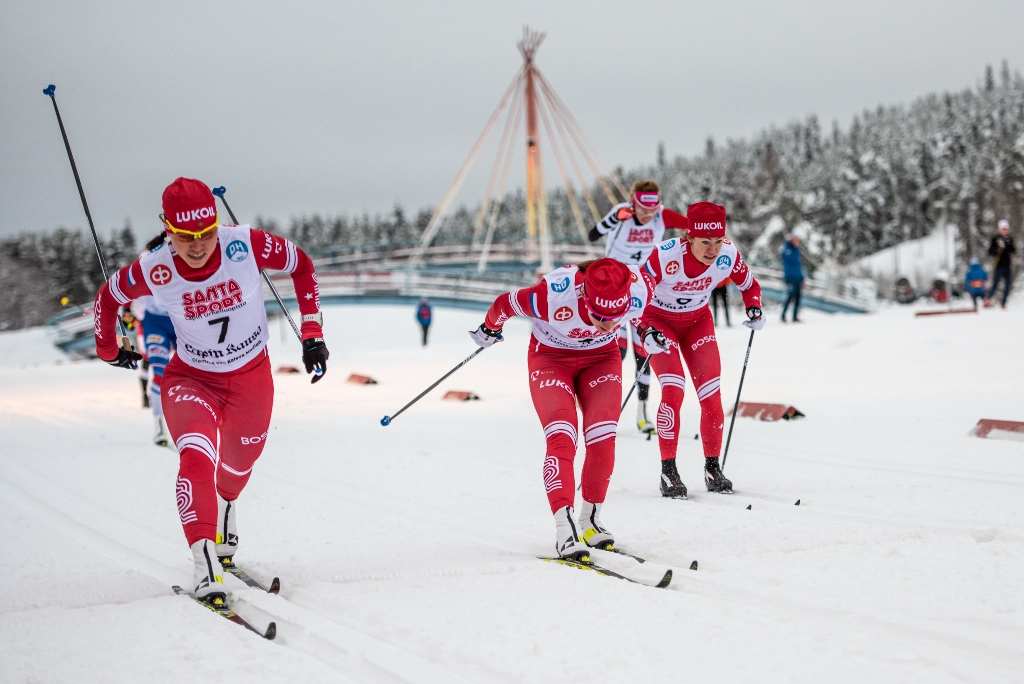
(221, 322)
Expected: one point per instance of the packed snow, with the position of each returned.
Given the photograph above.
(407, 553)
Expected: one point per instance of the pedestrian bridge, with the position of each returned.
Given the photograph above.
(449, 277)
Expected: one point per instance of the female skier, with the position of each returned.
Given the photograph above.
(217, 390)
(573, 358)
(633, 229)
(685, 272)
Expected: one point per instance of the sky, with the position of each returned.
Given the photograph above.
(351, 107)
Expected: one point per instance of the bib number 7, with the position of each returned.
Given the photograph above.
(223, 322)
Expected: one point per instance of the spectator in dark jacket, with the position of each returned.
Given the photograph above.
(974, 281)
(793, 272)
(1002, 250)
(423, 315)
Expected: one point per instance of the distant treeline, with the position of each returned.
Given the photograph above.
(889, 177)
(38, 269)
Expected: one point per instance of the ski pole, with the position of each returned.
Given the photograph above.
(219, 192)
(50, 91)
(639, 373)
(386, 420)
(737, 404)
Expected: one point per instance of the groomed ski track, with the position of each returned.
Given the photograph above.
(406, 553)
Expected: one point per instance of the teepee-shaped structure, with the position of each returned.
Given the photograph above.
(532, 103)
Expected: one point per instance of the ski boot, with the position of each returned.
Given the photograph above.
(227, 530)
(713, 477)
(567, 540)
(207, 579)
(642, 424)
(160, 435)
(672, 486)
(594, 534)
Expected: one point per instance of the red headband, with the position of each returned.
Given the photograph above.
(647, 199)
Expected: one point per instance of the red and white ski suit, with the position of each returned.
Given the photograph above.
(217, 391)
(679, 309)
(571, 362)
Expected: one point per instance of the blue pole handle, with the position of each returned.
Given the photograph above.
(50, 90)
(385, 421)
(219, 192)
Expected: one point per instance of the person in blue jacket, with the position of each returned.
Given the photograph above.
(793, 272)
(974, 281)
(423, 315)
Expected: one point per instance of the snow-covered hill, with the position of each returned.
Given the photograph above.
(406, 553)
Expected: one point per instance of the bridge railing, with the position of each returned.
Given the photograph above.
(393, 286)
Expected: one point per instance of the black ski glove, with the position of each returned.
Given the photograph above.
(314, 357)
(126, 358)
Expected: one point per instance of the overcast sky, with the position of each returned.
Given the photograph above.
(346, 107)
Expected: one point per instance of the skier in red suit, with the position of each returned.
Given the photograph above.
(217, 391)
(574, 359)
(685, 272)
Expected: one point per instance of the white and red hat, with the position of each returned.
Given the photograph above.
(707, 220)
(189, 207)
(606, 285)
(647, 199)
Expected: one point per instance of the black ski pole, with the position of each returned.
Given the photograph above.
(386, 420)
(219, 192)
(50, 91)
(643, 369)
(737, 404)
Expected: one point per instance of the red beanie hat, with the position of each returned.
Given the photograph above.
(189, 205)
(606, 288)
(707, 220)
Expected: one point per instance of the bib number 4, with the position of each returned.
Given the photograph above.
(223, 323)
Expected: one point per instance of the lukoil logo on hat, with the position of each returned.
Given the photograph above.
(189, 205)
(606, 288)
(707, 220)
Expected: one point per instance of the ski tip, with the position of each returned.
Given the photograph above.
(750, 507)
(666, 580)
(49, 90)
(275, 586)
(797, 502)
(219, 192)
(385, 421)
(271, 631)
(693, 565)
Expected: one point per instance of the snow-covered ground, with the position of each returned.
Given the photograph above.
(406, 553)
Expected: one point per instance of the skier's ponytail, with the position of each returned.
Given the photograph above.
(156, 242)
